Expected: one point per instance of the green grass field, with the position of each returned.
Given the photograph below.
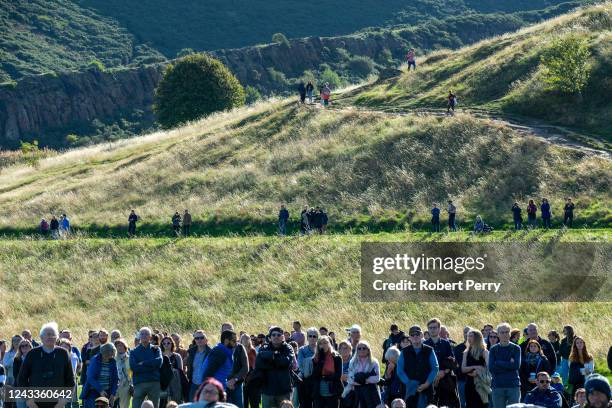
(253, 282)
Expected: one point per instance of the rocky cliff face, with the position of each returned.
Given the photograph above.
(44, 103)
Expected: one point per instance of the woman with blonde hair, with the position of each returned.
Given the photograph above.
(251, 392)
(363, 377)
(474, 364)
(123, 369)
(581, 364)
(326, 373)
(24, 348)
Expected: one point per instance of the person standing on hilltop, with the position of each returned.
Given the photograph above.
(186, 223)
(532, 210)
(452, 213)
(64, 226)
(176, 223)
(309, 91)
(324, 220)
(302, 91)
(435, 218)
(516, 216)
(54, 227)
(326, 94)
(304, 221)
(452, 102)
(411, 59)
(132, 219)
(546, 213)
(568, 213)
(283, 217)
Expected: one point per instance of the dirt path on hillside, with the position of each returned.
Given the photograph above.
(549, 133)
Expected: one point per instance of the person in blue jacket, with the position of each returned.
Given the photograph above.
(544, 395)
(102, 377)
(145, 362)
(417, 368)
(435, 218)
(546, 213)
(218, 363)
(504, 365)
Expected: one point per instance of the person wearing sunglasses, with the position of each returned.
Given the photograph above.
(417, 368)
(364, 375)
(493, 339)
(273, 365)
(304, 359)
(543, 394)
(195, 362)
(24, 348)
(209, 395)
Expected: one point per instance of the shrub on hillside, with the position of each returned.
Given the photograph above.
(193, 87)
(361, 66)
(252, 94)
(329, 76)
(566, 64)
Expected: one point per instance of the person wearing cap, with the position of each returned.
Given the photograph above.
(417, 368)
(445, 384)
(101, 402)
(395, 336)
(273, 366)
(598, 392)
(543, 394)
(102, 377)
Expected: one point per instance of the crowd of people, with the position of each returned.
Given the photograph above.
(315, 219)
(315, 368)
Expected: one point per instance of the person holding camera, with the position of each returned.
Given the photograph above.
(47, 366)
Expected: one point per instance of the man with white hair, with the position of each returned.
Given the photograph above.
(504, 364)
(145, 362)
(47, 366)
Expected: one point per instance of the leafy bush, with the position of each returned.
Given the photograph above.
(96, 65)
(72, 139)
(361, 66)
(566, 64)
(252, 94)
(31, 152)
(193, 87)
(185, 52)
(328, 75)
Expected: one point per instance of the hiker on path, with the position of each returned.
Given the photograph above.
(546, 213)
(411, 59)
(452, 213)
(132, 219)
(54, 227)
(532, 210)
(309, 91)
(302, 91)
(186, 223)
(326, 94)
(452, 102)
(516, 216)
(568, 213)
(435, 218)
(283, 217)
(176, 223)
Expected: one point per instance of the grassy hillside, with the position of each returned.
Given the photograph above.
(504, 74)
(207, 25)
(57, 35)
(252, 282)
(368, 170)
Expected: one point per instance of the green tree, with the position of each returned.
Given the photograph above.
(193, 87)
(566, 64)
(31, 152)
(361, 66)
(96, 65)
(329, 76)
(280, 38)
(252, 94)
(72, 139)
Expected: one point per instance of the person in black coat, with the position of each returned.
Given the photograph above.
(568, 213)
(547, 348)
(516, 216)
(326, 373)
(610, 359)
(302, 91)
(273, 367)
(533, 362)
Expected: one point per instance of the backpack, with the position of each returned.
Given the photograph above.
(165, 373)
